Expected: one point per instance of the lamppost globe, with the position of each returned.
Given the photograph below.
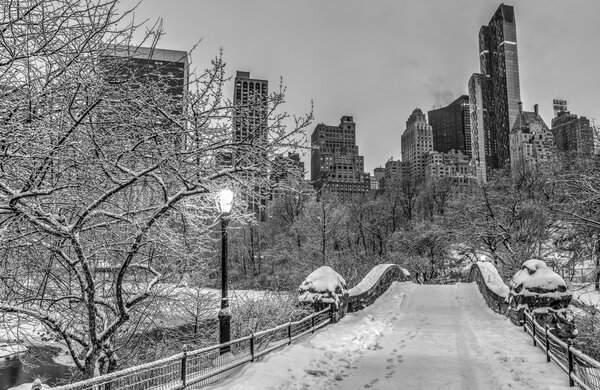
(225, 200)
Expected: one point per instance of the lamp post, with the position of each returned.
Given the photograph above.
(225, 203)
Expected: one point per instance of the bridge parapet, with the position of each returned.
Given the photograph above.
(492, 287)
(377, 281)
(325, 287)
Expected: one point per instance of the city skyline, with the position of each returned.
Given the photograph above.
(378, 63)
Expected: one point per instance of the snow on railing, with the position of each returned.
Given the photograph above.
(374, 284)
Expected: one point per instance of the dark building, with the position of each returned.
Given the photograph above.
(573, 133)
(483, 130)
(451, 126)
(499, 59)
(336, 166)
(286, 167)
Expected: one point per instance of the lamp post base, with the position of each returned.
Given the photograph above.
(224, 329)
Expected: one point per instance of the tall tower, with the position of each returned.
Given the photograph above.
(451, 127)
(336, 166)
(250, 127)
(250, 113)
(483, 130)
(499, 59)
(416, 142)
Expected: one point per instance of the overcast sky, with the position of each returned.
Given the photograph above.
(377, 60)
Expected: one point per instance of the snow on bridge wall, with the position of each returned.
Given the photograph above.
(324, 287)
(491, 285)
(374, 284)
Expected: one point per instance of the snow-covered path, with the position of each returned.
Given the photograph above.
(447, 338)
(439, 337)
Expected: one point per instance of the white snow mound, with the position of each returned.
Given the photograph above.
(534, 274)
(322, 285)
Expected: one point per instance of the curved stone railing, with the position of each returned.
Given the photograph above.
(491, 285)
(377, 281)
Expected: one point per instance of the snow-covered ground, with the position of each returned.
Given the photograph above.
(441, 337)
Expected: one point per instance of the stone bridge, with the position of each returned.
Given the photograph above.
(385, 333)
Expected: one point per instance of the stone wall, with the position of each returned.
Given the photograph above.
(374, 285)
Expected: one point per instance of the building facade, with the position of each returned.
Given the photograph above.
(393, 172)
(531, 142)
(336, 166)
(498, 58)
(483, 130)
(573, 133)
(417, 142)
(451, 126)
(453, 165)
(250, 113)
(250, 126)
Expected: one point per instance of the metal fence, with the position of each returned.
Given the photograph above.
(581, 369)
(206, 365)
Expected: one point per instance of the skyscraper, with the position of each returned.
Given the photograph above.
(416, 142)
(483, 130)
(250, 98)
(498, 59)
(451, 126)
(250, 127)
(336, 166)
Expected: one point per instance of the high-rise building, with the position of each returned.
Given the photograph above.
(250, 100)
(336, 166)
(483, 130)
(451, 126)
(417, 141)
(250, 127)
(531, 142)
(572, 133)
(499, 59)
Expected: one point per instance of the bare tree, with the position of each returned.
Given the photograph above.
(107, 180)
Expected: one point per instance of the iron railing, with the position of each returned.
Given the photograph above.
(581, 369)
(206, 365)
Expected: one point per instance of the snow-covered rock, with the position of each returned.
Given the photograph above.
(537, 284)
(537, 288)
(323, 285)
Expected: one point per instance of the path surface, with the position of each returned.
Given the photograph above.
(440, 337)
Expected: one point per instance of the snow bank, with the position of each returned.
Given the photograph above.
(492, 278)
(372, 277)
(322, 285)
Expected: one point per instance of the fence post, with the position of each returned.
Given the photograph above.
(252, 346)
(290, 331)
(547, 346)
(570, 357)
(313, 323)
(184, 366)
(533, 333)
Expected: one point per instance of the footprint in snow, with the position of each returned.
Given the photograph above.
(370, 384)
